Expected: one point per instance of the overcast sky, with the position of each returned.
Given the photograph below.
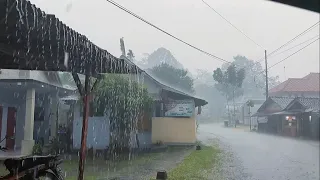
(269, 24)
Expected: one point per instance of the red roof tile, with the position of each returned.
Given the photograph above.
(309, 83)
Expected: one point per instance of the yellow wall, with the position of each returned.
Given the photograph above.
(173, 130)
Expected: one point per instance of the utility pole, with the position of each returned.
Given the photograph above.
(266, 62)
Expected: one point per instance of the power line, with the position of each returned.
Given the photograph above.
(288, 42)
(156, 27)
(293, 53)
(294, 46)
(232, 24)
(293, 39)
(286, 58)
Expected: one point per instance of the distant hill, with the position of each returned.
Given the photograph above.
(161, 55)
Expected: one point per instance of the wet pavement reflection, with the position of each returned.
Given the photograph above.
(251, 155)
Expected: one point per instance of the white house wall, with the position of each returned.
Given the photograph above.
(99, 133)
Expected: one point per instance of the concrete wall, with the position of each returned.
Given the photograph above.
(172, 130)
(145, 139)
(99, 132)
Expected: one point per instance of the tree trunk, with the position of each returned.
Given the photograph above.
(234, 110)
(229, 119)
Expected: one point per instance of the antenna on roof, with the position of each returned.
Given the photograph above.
(122, 47)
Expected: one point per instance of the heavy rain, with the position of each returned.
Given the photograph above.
(90, 90)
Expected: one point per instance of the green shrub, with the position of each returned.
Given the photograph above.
(37, 149)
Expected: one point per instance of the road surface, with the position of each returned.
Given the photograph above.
(254, 156)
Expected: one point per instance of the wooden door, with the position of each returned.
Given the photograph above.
(11, 126)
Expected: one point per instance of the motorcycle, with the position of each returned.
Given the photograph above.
(32, 167)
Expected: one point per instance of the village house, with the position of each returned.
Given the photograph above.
(173, 120)
(292, 108)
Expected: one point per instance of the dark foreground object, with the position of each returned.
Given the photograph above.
(33, 167)
(226, 123)
(162, 175)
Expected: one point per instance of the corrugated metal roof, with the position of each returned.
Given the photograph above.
(310, 103)
(283, 102)
(52, 46)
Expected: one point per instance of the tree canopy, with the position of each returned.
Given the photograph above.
(174, 77)
(254, 82)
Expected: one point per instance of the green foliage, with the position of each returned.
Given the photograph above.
(254, 82)
(124, 101)
(230, 81)
(174, 76)
(54, 146)
(37, 149)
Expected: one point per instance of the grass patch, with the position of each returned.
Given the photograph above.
(99, 168)
(198, 165)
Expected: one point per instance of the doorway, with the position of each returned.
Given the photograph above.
(11, 126)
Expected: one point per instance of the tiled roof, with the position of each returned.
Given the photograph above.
(309, 83)
(283, 102)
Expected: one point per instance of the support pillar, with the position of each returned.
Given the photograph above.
(28, 141)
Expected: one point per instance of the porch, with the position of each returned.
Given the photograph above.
(28, 111)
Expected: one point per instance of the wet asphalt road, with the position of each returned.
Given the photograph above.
(263, 157)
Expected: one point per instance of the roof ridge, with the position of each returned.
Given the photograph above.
(308, 97)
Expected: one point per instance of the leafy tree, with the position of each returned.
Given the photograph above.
(124, 102)
(230, 83)
(173, 76)
(254, 82)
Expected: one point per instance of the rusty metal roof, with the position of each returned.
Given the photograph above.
(309, 83)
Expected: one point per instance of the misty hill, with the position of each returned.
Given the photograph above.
(161, 55)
